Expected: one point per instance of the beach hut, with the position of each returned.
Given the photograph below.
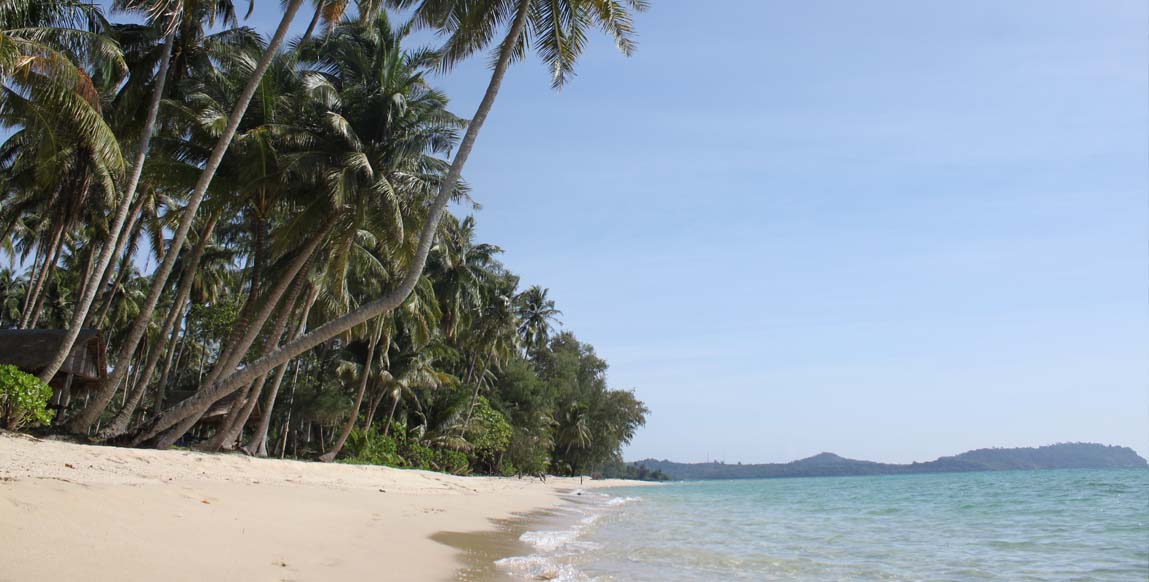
(32, 349)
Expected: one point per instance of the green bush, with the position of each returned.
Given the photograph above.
(23, 399)
(448, 461)
(489, 433)
(396, 450)
(372, 448)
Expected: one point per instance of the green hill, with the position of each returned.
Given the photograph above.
(1059, 456)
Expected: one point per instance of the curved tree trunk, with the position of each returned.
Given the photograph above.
(116, 234)
(119, 423)
(133, 229)
(34, 314)
(262, 366)
(232, 430)
(372, 408)
(33, 272)
(257, 445)
(176, 346)
(83, 421)
(243, 323)
(314, 21)
(225, 436)
(35, 297)
(350, 424)
(202, 399)
(391, 413)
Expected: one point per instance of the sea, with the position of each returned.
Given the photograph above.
(1089, 525)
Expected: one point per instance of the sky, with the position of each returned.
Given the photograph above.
(891, 230)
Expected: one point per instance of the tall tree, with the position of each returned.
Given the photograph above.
(83, 421)
(537, 315)
(559, 29)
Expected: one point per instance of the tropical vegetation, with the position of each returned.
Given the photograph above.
(259, 227)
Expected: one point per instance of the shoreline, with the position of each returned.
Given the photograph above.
(73, 511)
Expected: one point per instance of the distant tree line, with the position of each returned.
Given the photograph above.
(633, 471)
(1058, 456)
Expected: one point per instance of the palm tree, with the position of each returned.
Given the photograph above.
(560, 36)
(182, 25)
(370, 149)
(409, 370)
(88, 415)
(536, 313)
(461, 270)
(375, 335)
(55, 108)
(123, 209)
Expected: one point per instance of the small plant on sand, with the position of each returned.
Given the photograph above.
(23, 399)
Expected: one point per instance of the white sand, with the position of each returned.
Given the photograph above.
(75, 512)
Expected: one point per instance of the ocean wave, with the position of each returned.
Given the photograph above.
(538, 567)
(615, 501)
(590, 519)
(549, 541)
(555, 549)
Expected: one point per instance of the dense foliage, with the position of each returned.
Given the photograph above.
(23, 399)
(258, 226)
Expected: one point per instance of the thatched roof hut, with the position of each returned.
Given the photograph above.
(32, 349)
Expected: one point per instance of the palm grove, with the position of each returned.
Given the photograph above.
(259, 227)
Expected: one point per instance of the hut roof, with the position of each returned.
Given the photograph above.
(32, 349)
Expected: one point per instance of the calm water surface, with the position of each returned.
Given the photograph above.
(1032, 525)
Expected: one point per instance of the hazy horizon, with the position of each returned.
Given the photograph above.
(890, 231)
(803, 457)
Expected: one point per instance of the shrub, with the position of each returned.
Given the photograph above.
(23, 399)
(489, 433)
(448, 461)
(372, 448)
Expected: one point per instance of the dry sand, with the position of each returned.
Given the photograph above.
(76, 512)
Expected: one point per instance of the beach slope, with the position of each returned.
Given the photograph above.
(76, 512)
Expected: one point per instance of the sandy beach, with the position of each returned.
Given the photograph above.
(76, 512)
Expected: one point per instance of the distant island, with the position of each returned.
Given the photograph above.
(1058, 456)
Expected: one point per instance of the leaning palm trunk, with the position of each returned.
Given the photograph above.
(42, 294)
(257, 445)
(391, 413)
(372, 408)
(237, 418)
(86, 417)
(175, 346)
(119, 423)
(314, 21)
(116, 234)
(350, 424)
(204, 396)
(259, 308)
(224, 438)
(124, 249)
(35, 294)
(262, 366)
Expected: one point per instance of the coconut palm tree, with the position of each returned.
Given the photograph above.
(559, 38)
(375, 335)
(88, 415)
(84, 419)
(370, 149)
(537, 314)
(461, 269)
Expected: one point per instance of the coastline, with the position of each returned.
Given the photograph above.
(71, 511)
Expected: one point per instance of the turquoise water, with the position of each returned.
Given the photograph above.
(1022, 525)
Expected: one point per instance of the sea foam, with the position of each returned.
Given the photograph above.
(555, 548)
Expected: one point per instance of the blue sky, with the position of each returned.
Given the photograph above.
(891, 230)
